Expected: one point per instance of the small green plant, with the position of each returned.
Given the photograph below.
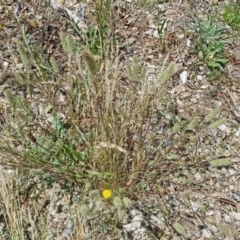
(221, 162)
(231, 15)
(209, 41)
(104, 17)
(94, 37)
(143, 3)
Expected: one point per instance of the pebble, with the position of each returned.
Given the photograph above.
(227, 218)
(155, 34)
(236, 215)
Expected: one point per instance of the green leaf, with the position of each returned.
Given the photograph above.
(179, 228)
(55, 163)
(194, 122)
(222, 60)
(94, 173)
(94, 194)
(84, 137)
(83, 155)
(71, 153)
(217, 123)
(84, 210)
(200, 55)
(226, 230)
(212, 64)
(117, 202)
(211, 115)
(127, 202)
(48, 109)
(58, 125)
(221, 162)
(176, 127)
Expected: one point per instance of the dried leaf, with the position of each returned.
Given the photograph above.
(80, 232)
(111, 145)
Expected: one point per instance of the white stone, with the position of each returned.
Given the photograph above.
(155, 34)
(188, 42)
(149, 32)
(223, 127)
(198, 177)
(227, 218)
(200, 77)
(235, 215)
(206, 233)
(132, 226)
(183, 77)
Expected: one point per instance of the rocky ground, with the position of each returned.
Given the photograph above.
(192, 199)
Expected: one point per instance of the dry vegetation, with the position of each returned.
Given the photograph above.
(100, 136)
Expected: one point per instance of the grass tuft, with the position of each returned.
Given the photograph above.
(100, 125)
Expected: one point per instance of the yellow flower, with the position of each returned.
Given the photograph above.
(106, 193)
